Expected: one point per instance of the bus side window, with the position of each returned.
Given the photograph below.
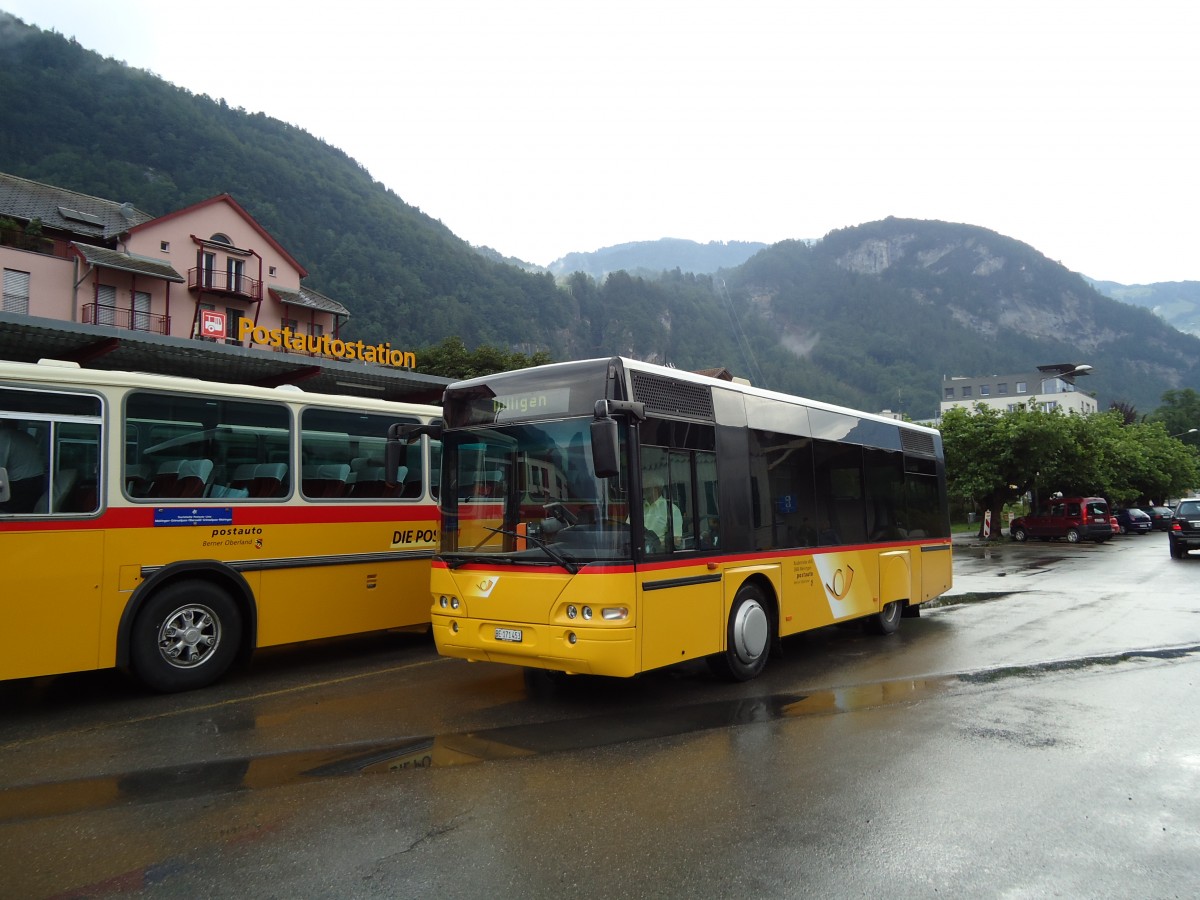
(24, 453)
(50, 466)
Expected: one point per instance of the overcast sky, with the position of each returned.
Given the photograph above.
(541, 128)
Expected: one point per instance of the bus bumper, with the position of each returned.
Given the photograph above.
(581, 650)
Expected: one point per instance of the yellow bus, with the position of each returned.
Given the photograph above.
(169, 526)
(611, 516)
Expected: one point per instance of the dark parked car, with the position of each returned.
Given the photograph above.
(1075, 518)
(1160, 516)
(1185, 528)
(1133, 521)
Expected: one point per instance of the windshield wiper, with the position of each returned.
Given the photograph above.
(550, 551)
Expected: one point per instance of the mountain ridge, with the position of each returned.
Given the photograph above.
(869, 316)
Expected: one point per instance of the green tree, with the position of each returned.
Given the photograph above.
(1180, 412)
(993, 457)
(451, 359)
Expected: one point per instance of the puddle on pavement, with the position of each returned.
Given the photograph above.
(177, 783)
(966, 598)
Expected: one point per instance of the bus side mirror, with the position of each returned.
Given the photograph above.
(395, 454)
(606, 450)
(4, 495)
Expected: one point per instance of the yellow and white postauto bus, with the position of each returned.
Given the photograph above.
(168, 526)
(612, 516)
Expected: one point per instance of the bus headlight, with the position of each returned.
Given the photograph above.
(443, 602)
(454, 627)
(572, 612)
(571, 639)
(587, 612)
(614, 613)
(454, 603)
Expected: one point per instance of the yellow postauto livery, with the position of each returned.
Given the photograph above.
(611, 516)
(169, 526)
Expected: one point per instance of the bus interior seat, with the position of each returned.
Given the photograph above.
(165, 477)
(326, 479)
(259, 480)
(270, 480)
(193, 477)
(139, 477)
(64, 482)
(367, 477)
(368, 482)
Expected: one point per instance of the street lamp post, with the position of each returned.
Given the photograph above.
(1189, 431)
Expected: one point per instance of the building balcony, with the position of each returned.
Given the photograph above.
(228, 284)
(124, 317)
(34, 243)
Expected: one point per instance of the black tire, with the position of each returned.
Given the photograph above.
(1019, 535)
(747, 637)
(1073, 535)
(1177, 552)
(887, 620)
(1122, 527)
(185, 637)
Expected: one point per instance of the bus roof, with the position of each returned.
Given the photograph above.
(634, 365)
(67, 374)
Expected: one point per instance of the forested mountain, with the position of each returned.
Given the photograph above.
(1175, 302)
(870, 316)
(652, 257)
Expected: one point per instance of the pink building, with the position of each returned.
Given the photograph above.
(134, 291)
(101, 262)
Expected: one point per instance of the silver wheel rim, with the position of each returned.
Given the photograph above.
(189, 636)
(750, 632)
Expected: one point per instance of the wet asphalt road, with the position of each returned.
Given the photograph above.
(1034, 736)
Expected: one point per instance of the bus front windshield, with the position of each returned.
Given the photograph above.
(528, 494)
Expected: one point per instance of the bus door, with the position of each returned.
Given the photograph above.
(680, 586)
(53, 569)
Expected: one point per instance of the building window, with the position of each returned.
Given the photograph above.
(16, 292)
(164, 246)
(141, 311)
(1002, 387)
(1022, 387)
(967, 391)
(208, 265)
(949, 394)
(985, 390)
(291, 324)
(271, 271)
(234, 269)
(315, 329)
(1013, 407)
(231, 330)
(106, 305)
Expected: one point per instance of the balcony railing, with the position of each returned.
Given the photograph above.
(13, 237)
(224, 283)
(124, 317)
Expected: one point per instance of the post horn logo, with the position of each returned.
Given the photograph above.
(841, 584)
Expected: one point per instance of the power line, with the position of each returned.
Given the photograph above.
(743, 342)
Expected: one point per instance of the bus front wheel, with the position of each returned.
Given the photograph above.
(748, 637)
(185, 637)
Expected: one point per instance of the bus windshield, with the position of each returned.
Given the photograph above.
(529, 494)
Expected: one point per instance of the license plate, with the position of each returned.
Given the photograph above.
(512, 635)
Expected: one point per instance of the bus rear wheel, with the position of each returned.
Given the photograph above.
(185, 637)
(747, 638)
(887, 620)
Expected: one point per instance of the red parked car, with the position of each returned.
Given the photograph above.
(1074, 518)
